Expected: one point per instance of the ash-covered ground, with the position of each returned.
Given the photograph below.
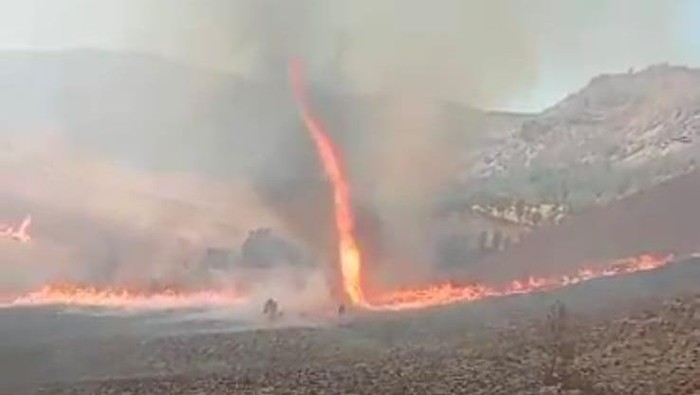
(638, 334)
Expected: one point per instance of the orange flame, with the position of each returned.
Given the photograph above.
(19, 233)
(442, 294)
(72, 294)
(349, 252)
(122, 297)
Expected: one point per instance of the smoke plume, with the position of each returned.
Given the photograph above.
(383, 78)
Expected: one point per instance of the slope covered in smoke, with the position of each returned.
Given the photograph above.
(97, 222)
(143, 110)
(148, 111)
(619, 134)
(151, 114)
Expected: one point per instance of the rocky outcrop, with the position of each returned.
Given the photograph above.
(518, 212)
(621, 133)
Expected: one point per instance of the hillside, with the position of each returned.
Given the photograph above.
(157, 114)
(95, 221)
(619, 134)
(144, 117)
(661, 220)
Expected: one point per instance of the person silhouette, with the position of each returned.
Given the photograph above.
(271, 309)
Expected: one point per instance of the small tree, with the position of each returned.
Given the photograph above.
(559, 347)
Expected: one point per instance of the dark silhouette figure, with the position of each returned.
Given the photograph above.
(271, 309)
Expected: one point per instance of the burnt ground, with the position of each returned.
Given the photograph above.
(638, 334)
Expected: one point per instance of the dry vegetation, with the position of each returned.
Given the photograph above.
(651, 351)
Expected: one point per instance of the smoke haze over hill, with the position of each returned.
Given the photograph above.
(537, 52)
(199, 88)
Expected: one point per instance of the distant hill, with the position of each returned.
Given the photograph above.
(158, 114)
(138, 109)
(619, 134)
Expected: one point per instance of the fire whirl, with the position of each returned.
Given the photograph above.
(18, 233)
(432, 295)
(349, 251)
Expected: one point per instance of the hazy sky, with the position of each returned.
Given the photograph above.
(493, 53)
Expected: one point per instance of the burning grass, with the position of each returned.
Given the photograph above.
(72, 294)
(415, 298)
(446, 293)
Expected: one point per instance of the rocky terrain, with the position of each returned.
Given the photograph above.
(621, 133)
(645, 348)
(663, 219)
(640, 124)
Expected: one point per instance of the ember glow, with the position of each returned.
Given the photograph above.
(348, 249)
(71, 294)
(18, 233)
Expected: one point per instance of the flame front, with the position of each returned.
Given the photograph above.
(442, 294)
(72, 294)
(348, 249)
(19, 233)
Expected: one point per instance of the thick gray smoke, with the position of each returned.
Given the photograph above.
(412, 57)
(387, 78)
